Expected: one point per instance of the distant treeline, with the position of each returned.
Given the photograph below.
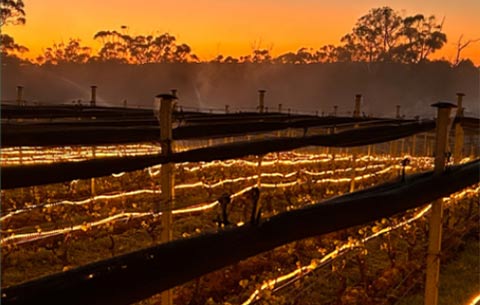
(382, 35)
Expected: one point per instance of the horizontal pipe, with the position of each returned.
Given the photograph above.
(107, 132)
(14, 176)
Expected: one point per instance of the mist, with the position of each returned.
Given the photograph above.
(302, 88)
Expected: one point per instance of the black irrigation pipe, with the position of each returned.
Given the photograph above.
(138, 275)
(29, 175)
(14, 112)
(102, 132)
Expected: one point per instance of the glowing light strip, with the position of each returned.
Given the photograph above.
(30, 237)
(195, 208)
(194, 185)
(304, 270)
(475, 300)
(32, 155)
(80, 202)
(342, 170)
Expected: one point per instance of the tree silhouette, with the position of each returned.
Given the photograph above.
(460, 46)
(71, 52)
(303, 56)
(8, 45)
(261, 56)
(12, 12)
(141, 49)
(421, 37)
(327, 53)
(374, 35)
(383, 35)
(113, 48)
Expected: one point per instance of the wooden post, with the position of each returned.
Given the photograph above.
(174, 93)
(356, 114)
(459, 133)
(425, 145)
(327, 148)
(19, 95)
(435, 222)
(397, 116)
(227, 109)
(335, 110)
(393, 148)
(261, 100)
(93, 192)
(354, 172)
(259, 185)
(20, 155)
(165, 101)
(93, 100)
(356, 111)
(280, 108)
(413, 151)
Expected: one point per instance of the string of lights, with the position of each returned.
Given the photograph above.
(351, 244)
(211, 186)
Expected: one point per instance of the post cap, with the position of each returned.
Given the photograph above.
(460, 94)
(262, 91)
(358, 95)
(167, 96)
(93, 86)
(444, 105)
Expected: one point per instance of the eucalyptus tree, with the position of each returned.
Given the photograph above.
(71, 52)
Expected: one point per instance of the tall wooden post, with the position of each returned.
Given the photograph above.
(459, 133)
(413, 151)
(393, 148)
(165, 102)
(356, 114)
(93, 99)
(435, 222)
(335, 110)
(19, 95)
(20, 155)
(93, 192)
(397, 116)
(280, 108)
(358, 100)
(261, 100)
(425, 145)
(227, 109)
(174, 93)
(354, 172)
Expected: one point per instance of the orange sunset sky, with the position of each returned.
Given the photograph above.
(233, 27)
